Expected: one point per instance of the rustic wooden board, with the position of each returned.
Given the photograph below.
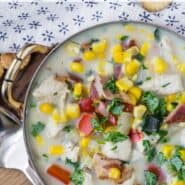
(12, 177)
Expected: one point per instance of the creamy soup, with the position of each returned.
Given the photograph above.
(108, 107)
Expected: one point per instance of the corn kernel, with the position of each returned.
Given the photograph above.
(117, 48)
(144, 48)
(169, 107)
(136, 122)
(164, 126)
(132, 67)
(129, 27)
(139, 111)
(101, 67)
(114, 173)
(110, 129)
(167, 150)
(118, 57)
(160, 65)
(46, 108)
(73, 49)
(181, 98)
(84, 142)
(73, 111)
(39, 140)
(99, 47)
(88, 55)
(124, 84)
(181, 67)
(178, 182)
(182, 154)
(133, 99)
(127, 56)
(171, 98)
(77, 89)
(76, 67)
(133, 50)
(136, 91)
(56, 150)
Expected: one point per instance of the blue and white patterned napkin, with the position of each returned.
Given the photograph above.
(49, 22)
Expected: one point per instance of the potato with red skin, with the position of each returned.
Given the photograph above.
(86, 105)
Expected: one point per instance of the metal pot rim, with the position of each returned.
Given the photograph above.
(26, 137)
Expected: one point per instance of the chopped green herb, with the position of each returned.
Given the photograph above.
(149, 150)
(45, 156)
(89, 73)
(163, 136)
(114, 147)
(150, 178)
(93, 41)
(124, 38)
(116, 106)
(155, 104)
(165, 85)
(101, 142)
(33, 104)
(157, 34)
(55, 93)
(181, 174)
(37, 128)
(176, 163)
(160, 159)
(148, 78)
(139, 57)
(68, 128)
(111, 85)
(114, 137)
(77, 177)
(144, 67)
(75, 165)
(96, 124)
(138, 82)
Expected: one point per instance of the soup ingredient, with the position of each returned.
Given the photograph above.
(144, 49)
(114, 137)
(111, 85)
(149, 150)
(160, 66)
(101, 164)
(56, 150)
(155, 105)
(59, 173)
(156, 83)
(150, 124)
(135, 135)
(88, 55)
(76, 67)
(97, 125)
(124, 84)
(167, 150)
(120, 150)
(132, 67)
(73, 111)
(71, 151)
(157, 34)
(116, 106)
(37, 128)
(150, 178)
(77, 89)
(139, 111)
(114, 173)
(46, 108)
(177, 115)
(136, 92)
(86, 105)
(99, 47)
(85, 125)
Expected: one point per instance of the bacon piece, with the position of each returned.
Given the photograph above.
(177, 115)
(128, 44)
(93, 91)
(117, 70)
(101, 109)
(102, 165)
(86, 105)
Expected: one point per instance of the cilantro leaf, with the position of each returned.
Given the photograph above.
(157, 34)
(96, 124)
(150, 178)
(68, 128)
(75, 165)
(139, 57)
(77, 177)
(149, 150)
(160, 159)
(124, 37)
(111, 85)
(176, 163)
(37, 128)
(116, 106)
(114, 137)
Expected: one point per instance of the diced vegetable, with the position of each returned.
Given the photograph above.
(150, 178)
(150, 124)
(167, 150)
(96, 124)
(77, 67)
(56, 150)
(139, 111)
(77, 89)
(111, 85)
(60, 173)
(37, 128)
(73, 111)
(157, 34)
(115, 106)
(101, 108)
(114, 173)
(124, 84)
(46, 108)
(85, 125)
(160, 66)
(149, 150)
(99, 47)
(132, 67)
(135, 135)
(86, 105)
(88, 56)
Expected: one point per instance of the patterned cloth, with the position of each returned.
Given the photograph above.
(50, 22)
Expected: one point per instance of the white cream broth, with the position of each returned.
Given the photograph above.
(126, 152)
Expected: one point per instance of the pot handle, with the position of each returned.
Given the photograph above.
(12, 72)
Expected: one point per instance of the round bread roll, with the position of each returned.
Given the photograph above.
(6, 59)
(154, 6)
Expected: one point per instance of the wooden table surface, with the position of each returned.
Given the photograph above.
(12, 177)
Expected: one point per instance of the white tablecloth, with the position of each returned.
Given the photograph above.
(49, 22)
